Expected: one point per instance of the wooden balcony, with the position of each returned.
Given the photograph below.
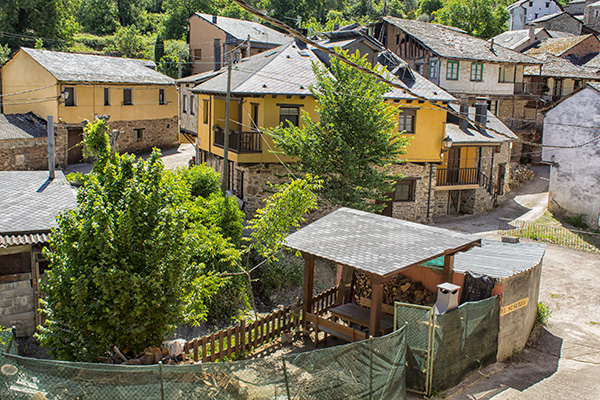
(239, 142)
(459, 178)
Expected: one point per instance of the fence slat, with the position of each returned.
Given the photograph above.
(195, 350)
(213, 353)
(229, 332)
(243, 334)
(221, 349)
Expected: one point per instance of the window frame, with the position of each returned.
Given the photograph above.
(405, 112)
(478, 75)
(162, 100)
(433, 71)
(184, 104)
(130, 103)
(106, 97)
(289, 106)
(254, 115)
(192, 103)
(451, 68)
(196, 56)
(205, 111)
(71, 101)
(411, 184)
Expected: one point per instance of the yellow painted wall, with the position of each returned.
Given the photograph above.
(468, 157)
(23, 73)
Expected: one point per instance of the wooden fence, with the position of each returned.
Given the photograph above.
(236, 340)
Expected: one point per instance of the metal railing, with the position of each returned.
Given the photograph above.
(458, 176)
(239, 142)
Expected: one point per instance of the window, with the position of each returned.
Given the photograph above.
(477, 72)
(205, 111)
(192, 105)
(506, 74)
(493, 107)
(558, 86)
(106, 96)
(405, 190)
(419, 68)
(406, 120)
(452, 70)
(547, 5)
(398, 39)
(161, 97)
(433, 69)
(18, 263)
(70, 100)
(576, 84)
(198, 54)
(254, 115)
(531, 4)
(138, 134)
(127, 97)
(291, 114)
(184, 106)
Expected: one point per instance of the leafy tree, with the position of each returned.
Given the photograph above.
(354, 140)
(99, 17)
(127, 42)
(169, 63)
(177, 13)
(159, 48)
(4, 53)
(481, 18)
(430, 6)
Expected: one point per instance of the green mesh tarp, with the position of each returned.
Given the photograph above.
(8, 341)
(466, 340)
(371, 369)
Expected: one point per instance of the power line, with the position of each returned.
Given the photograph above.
(380, 77)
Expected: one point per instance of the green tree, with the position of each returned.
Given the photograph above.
(4, 53)
(430, 6)
(159, 48)
(177, 13)
(354, 140)
(127, 42)
(481, 18)
(99, 17)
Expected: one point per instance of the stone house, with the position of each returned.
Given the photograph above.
(140, 103)
(560, 21)
(273, 87)
(523, 11)
(577, 49)
(211, 37)
(30, 202)
(575, 173)
(524, 39)
(591, 15)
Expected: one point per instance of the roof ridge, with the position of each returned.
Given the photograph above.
(285, 46)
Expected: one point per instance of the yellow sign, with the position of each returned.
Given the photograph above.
(514, 306)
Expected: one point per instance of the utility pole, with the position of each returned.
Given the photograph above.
(50, 128)
(226, 138)
(179, 73)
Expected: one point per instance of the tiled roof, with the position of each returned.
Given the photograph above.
(474, 135)
(240, 29)
(561, 68)
(288, 70)
(21, 126)
(30, 202)
(19, 240)
(499, 260)
(71, 67)
(375, 243)
(557, 46)
(452, 43)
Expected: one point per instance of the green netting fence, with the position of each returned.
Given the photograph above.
(8, 341)
(371, 369)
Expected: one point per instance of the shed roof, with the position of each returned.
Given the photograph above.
(453, 43)
(72, 67)
(375, 243)
(557, 46)
(30, 202)
(561, 68)
(473, 135)
(499, 260)
(21, 126)
(241, 29)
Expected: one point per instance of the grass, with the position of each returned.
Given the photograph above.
(543, 313)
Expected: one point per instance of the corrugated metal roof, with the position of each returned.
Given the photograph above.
(71, 67)
(30, 202)
(375, 243)
(241, 29)
(499, 260)
(21, 126)
(19, 240)
(454, 44)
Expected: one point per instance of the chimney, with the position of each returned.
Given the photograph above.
(214, 19)
(447, 298)
(481, 110)
(531, 31)
(464, 111)
(50, 147)
(217, 54)
(492, 44)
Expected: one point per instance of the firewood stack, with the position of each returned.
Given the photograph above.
(398, 289)
(151, 355)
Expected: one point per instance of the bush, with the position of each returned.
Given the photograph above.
(543, 313)
(282, 274)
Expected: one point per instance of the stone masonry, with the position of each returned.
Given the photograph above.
(17, 306)
(31, 154)
(415, 210)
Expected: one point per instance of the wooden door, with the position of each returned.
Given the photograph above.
(453, 165)
(75, 154)
(453, 201)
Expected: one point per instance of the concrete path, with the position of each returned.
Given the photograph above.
(173, 157)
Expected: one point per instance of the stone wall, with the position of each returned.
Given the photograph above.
(32, 154)
(415, 210)
(562, 23)
(17, 306)
(159, 133)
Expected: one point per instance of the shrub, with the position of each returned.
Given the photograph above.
(282, 274)
(543, 313)
(578, 221)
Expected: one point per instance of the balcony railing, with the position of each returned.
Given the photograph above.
(458, 176)
(239, 142)
(531, 88)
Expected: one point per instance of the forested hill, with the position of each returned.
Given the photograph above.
(135, 28)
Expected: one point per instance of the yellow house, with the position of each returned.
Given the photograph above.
(140, 103)
(273, 87)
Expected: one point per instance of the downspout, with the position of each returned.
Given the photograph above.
(210, 103)
(429, 193)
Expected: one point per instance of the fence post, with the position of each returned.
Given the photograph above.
(162, 383)
(371, 367)
(287, 382)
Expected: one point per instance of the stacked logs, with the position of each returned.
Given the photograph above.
(399, 288)
(151, 355)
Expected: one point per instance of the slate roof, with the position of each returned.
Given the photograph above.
(375, 243)
(557, 46)
(240, 29)
(473, 135)
(22, 126)
(561, 68)
(287, 70)
(594, 62)
(72, 67)
(30, 202)
(452, 43)
(513, 39)
(499, 260)
(344, 37)
(548, 17)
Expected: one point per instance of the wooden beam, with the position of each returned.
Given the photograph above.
(376, 300)
(344, 284)
(309, 271)
(448, 268)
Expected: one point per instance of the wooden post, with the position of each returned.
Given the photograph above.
(448, 268)
(243, 334)
(376, 300)
(309, 271)
(344, 285)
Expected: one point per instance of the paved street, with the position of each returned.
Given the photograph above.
(562, 361)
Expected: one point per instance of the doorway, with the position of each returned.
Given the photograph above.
(75, 152)
(453, 201)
